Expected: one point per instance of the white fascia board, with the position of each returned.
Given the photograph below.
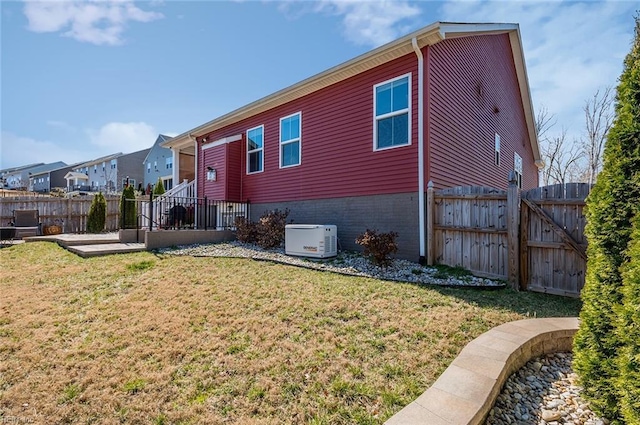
(428, 35)
(223, 141)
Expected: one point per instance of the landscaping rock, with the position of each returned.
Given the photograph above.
(350, 263)
(547, 395)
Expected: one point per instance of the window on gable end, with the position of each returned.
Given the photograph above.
(290, 140)
(392, 113)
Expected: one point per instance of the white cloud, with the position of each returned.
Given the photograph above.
(571, 48)
(365, 22)
(77, 146)
(96, 21)
(122, 137)
(17, 150)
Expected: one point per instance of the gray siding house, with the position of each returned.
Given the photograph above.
(109, 173)
(158, 165)
(20, 179)
(8, 173)
(44, 181)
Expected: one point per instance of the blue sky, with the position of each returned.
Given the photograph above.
(83, 79)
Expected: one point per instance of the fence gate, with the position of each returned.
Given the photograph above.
(552, 241)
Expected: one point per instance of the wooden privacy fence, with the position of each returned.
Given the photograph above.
(70, 214)
(534, 239)
(552, 242)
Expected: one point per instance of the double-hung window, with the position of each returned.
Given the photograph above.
(392, 110)
(290, 140)
(517, 167)
(255, 146)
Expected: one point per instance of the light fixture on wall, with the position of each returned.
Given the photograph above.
(212, 175)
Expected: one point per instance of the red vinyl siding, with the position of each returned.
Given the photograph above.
(337, 144)
(226, 159)
(473, 93)
(215, 157)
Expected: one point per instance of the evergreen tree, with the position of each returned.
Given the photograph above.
(128, 208)
(611, 206)
(97, 216)
(629, 333)
(159, 189)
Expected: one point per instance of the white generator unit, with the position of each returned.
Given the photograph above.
(311, 240)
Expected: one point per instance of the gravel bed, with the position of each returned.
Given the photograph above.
(543, 392)
(349, 263)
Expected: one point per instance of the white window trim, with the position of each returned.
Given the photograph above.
(496, 155)
(517, 168)
(255, 150)
(299, 140)
(392, 114)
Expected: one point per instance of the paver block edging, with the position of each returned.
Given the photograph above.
(477, 375)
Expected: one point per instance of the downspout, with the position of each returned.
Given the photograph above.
(195, 142)
(197, 175)
(421, 200)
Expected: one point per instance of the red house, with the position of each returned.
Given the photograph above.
(357, 144)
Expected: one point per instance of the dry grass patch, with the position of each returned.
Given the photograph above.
(137, 338)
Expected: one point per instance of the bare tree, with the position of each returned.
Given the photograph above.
(562, 160)
(544, 121)
(598, 113)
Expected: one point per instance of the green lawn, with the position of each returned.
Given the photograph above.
(140, 338)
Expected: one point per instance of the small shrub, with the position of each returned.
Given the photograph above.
(246, 230)
(270, 228)
(97, 216)
(128, 208)
(268, 232)
(378, 246)
(159, 187)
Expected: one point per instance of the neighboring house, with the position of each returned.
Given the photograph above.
(159, 164)
(21, 178)
(356, 145)
(109, 173)
(9, 172)
(45, 181)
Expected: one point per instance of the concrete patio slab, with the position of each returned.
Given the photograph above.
(95, 250)
(71, 239)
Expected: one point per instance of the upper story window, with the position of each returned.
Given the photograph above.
(95, 168)
(290, 140)
(496, 157)
(255, 148)
(113, 164)
(168, 163)
(148, 167)
(392, 106)
(517, 167)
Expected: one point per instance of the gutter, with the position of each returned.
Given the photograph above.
(421, 200)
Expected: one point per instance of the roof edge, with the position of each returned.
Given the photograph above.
(425, 36)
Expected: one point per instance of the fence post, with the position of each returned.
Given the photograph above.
(513, 228)
(150, 211)
(430, 207)
(68, 214)
(206, 211)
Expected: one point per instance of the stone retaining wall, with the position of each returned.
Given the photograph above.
(466, 391)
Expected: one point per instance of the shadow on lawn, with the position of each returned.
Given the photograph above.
(533, 304)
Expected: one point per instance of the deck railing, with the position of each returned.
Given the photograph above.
(175, 213)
